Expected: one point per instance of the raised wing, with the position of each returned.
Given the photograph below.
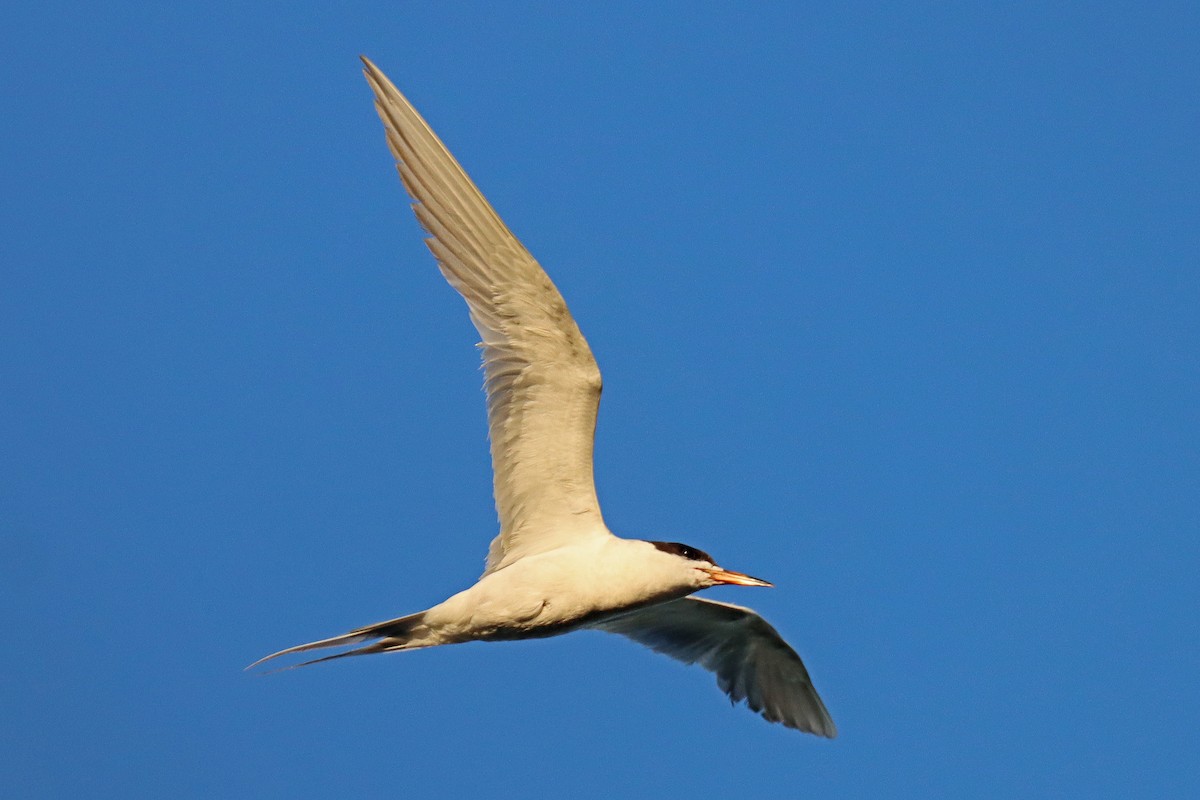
(751, 660)
(542, 383)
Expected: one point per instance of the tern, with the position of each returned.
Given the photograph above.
(555, 567)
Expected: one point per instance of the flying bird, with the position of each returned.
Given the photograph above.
(555, 567)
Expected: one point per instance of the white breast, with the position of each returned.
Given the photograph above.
(558, 591)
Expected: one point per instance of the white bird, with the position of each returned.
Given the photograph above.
(555, 567)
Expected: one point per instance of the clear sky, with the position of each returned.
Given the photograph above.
(898, 306)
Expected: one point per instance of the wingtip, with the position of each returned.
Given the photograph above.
(826, 728)
(822, 727)
(378, 82)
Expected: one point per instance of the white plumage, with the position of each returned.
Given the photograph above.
(555, 567)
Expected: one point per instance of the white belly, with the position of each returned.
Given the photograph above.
(553, 593)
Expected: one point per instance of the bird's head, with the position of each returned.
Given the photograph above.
(705, 570)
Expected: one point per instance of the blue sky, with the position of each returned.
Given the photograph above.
(896, 306)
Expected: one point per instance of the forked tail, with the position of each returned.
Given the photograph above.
(394, 634)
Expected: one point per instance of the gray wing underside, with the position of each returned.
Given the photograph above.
(542, 383)
(751, 660)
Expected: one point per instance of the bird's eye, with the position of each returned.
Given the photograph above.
(683, 551)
